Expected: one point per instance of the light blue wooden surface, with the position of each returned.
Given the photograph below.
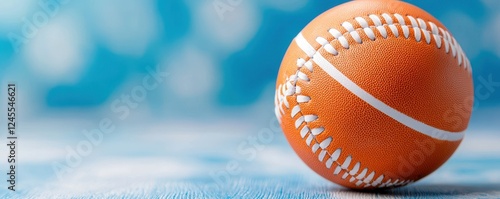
(179, 165)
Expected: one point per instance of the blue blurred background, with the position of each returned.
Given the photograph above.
(83, 55)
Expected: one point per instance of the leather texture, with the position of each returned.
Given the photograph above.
(416, 78)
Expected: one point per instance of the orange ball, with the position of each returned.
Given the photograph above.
(374, 94)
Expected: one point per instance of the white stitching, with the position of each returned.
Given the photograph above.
(375, 20)
(303, 99)
(362, 174)
(327, 46)
(400, 18)
(290, 88)
(368, 179)
(309, 66)
(355, 169)
(317, 131)
(304, 131)
(295, 110)
(309, 139)
(420, 30)
(347, 162)
(348, 26)
(378, 181)
(361, 21)
(325, 142)
(322, 155)
(303, 76)
(315, 148)
(387, 18)
(369, 32)
(394, 30)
